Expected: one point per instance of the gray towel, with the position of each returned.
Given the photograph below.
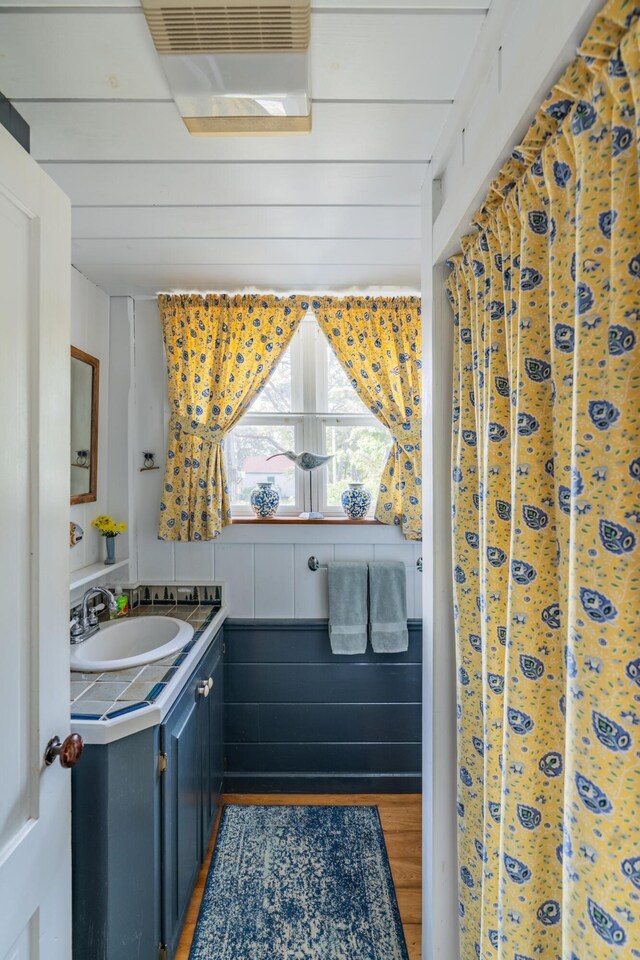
(348, 607)
(388, 607)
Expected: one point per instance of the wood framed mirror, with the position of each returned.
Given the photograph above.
(85, 387)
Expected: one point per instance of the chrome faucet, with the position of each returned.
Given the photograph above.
(86, 624)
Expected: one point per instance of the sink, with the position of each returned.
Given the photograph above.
(133, 642)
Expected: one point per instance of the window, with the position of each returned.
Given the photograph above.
(308, 404)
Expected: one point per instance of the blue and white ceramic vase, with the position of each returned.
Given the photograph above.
(265, 500)
(356, 501)
(110, 544)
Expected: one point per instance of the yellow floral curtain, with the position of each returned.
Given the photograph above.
(546, 479)
(220, 351)
(378, 342)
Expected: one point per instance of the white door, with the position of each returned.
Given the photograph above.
(35, 848)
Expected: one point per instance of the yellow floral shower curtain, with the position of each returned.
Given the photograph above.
(546, 480)
(378, 342)
(220, 350)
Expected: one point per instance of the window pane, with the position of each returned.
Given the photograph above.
(342, 398)
(246, 450)
(276, 394)
(360, 456)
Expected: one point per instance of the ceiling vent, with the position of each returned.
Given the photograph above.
(209, 27)
(235, 67)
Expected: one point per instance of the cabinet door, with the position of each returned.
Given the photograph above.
(181, 813)
(217, 736)
(212, 742)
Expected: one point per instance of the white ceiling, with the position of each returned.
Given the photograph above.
(156, 209)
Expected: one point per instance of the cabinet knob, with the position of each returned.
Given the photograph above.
(210, 683)
(204, 688)
(68, 752)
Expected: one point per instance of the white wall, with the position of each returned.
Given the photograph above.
(90, 332)
(264, 567)
(523, 50)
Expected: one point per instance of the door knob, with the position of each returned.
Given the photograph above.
(68, 752)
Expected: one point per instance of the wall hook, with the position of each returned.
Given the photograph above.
(149, 462)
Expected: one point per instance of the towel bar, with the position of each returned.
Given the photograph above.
(314, 564)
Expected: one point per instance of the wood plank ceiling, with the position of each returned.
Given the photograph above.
(156, 209)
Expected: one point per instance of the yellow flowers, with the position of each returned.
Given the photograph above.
(107, 526)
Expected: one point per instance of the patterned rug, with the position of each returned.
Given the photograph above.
(299, 883)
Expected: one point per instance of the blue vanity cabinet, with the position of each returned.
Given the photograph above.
(143, 809)
(191, 740)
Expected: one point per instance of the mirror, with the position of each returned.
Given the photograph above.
(85, 373)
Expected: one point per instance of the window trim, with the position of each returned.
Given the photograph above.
(310, 416)
(343, 420)
(266, 419)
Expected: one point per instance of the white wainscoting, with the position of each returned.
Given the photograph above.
(265, 570)
(264, 567)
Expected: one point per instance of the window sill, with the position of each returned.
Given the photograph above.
(335, 520)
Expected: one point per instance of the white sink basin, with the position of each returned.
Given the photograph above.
(130, 643)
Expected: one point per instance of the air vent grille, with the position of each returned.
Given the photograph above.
(228, 27)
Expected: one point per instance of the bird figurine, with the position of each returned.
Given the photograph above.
(306, 461)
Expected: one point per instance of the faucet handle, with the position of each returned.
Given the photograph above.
(75, 626)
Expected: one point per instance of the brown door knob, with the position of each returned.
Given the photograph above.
(68, 752)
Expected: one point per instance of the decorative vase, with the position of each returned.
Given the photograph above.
(265, 500)
(110, 543)
(356, 501)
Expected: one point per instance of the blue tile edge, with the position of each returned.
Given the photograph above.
(158, 687)
(130, 708)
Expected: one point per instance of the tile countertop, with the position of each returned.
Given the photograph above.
(108, 706)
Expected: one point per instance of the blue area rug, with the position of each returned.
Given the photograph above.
(299, 883)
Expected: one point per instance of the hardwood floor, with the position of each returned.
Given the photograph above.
(400, 817)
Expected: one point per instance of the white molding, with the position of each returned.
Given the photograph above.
(440, 873)
(124, 457)
(322, 6)
(90, 332)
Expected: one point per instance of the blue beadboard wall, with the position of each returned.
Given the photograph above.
(301, 719)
